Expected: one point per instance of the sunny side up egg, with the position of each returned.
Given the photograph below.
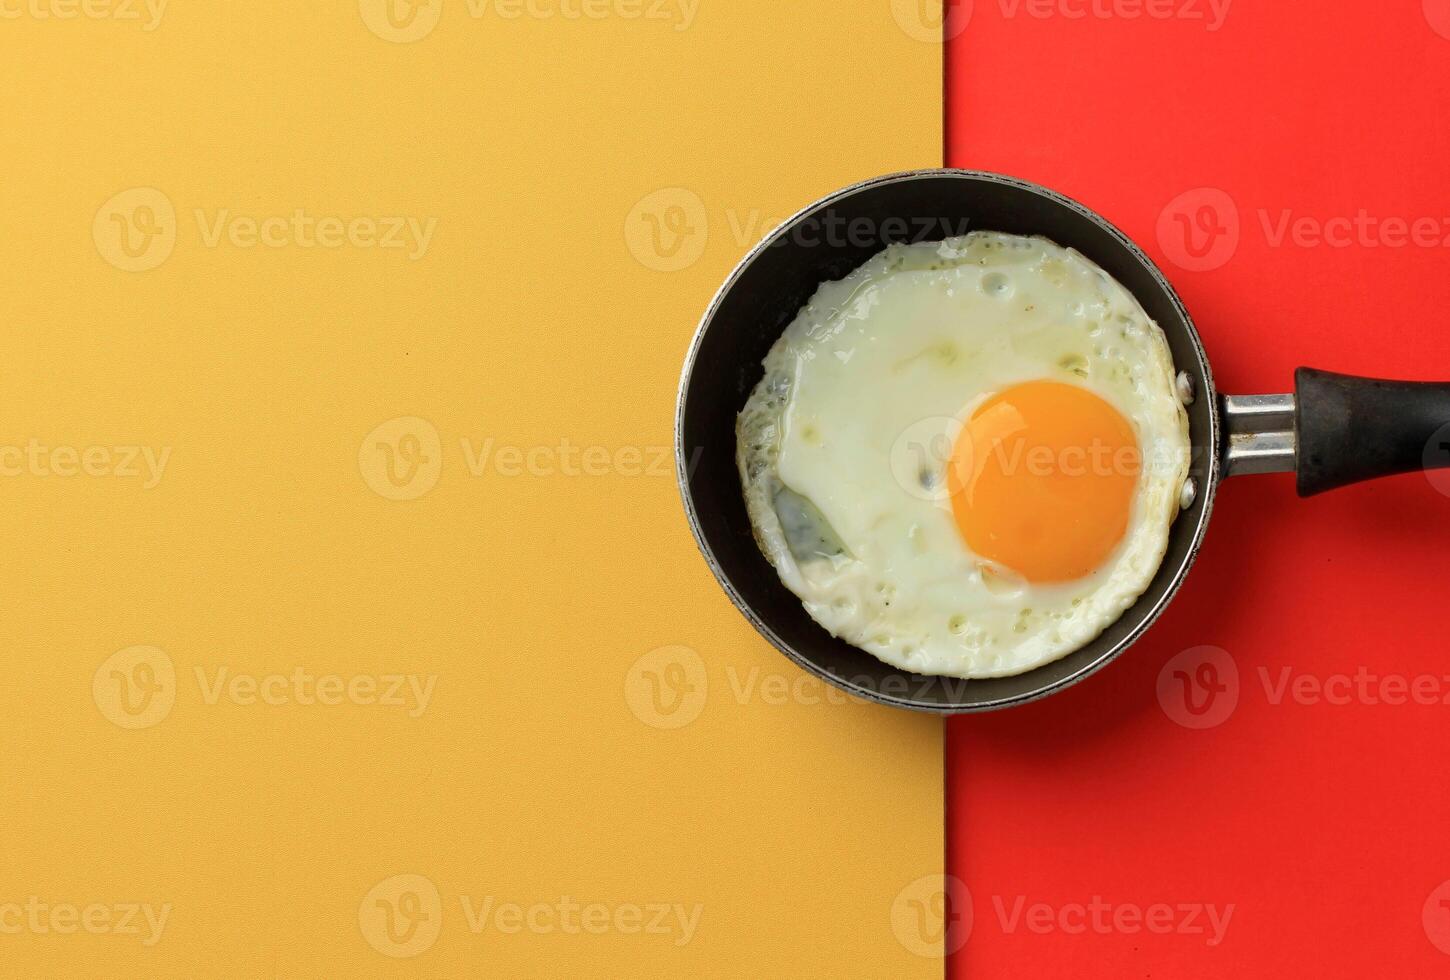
(965, 457)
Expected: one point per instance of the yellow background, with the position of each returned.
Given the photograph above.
(603, 725)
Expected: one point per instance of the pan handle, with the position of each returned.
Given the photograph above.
(1337, 429)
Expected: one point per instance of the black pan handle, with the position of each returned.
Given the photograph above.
(1351, 429)
(1337, 429)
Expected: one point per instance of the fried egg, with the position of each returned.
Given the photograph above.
(965, 457)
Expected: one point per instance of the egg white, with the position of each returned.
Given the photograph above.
(843, 448)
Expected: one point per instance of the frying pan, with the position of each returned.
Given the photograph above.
(1332, 431)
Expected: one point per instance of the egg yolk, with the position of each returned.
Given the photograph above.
(1042, 479)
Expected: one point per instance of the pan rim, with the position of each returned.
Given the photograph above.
(1206, 492)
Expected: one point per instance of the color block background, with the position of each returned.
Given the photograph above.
(384, 400)
(433, 451)
(1320, 822)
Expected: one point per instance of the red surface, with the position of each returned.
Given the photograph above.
(1326, 826)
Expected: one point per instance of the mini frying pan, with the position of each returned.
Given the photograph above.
(1334, 430)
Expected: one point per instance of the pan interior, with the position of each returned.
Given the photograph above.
(827, 242)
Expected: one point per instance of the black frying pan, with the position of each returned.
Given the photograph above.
(1335, 430)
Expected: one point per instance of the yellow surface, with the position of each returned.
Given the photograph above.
(351, 622)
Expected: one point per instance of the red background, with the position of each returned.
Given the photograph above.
(1327, 827)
